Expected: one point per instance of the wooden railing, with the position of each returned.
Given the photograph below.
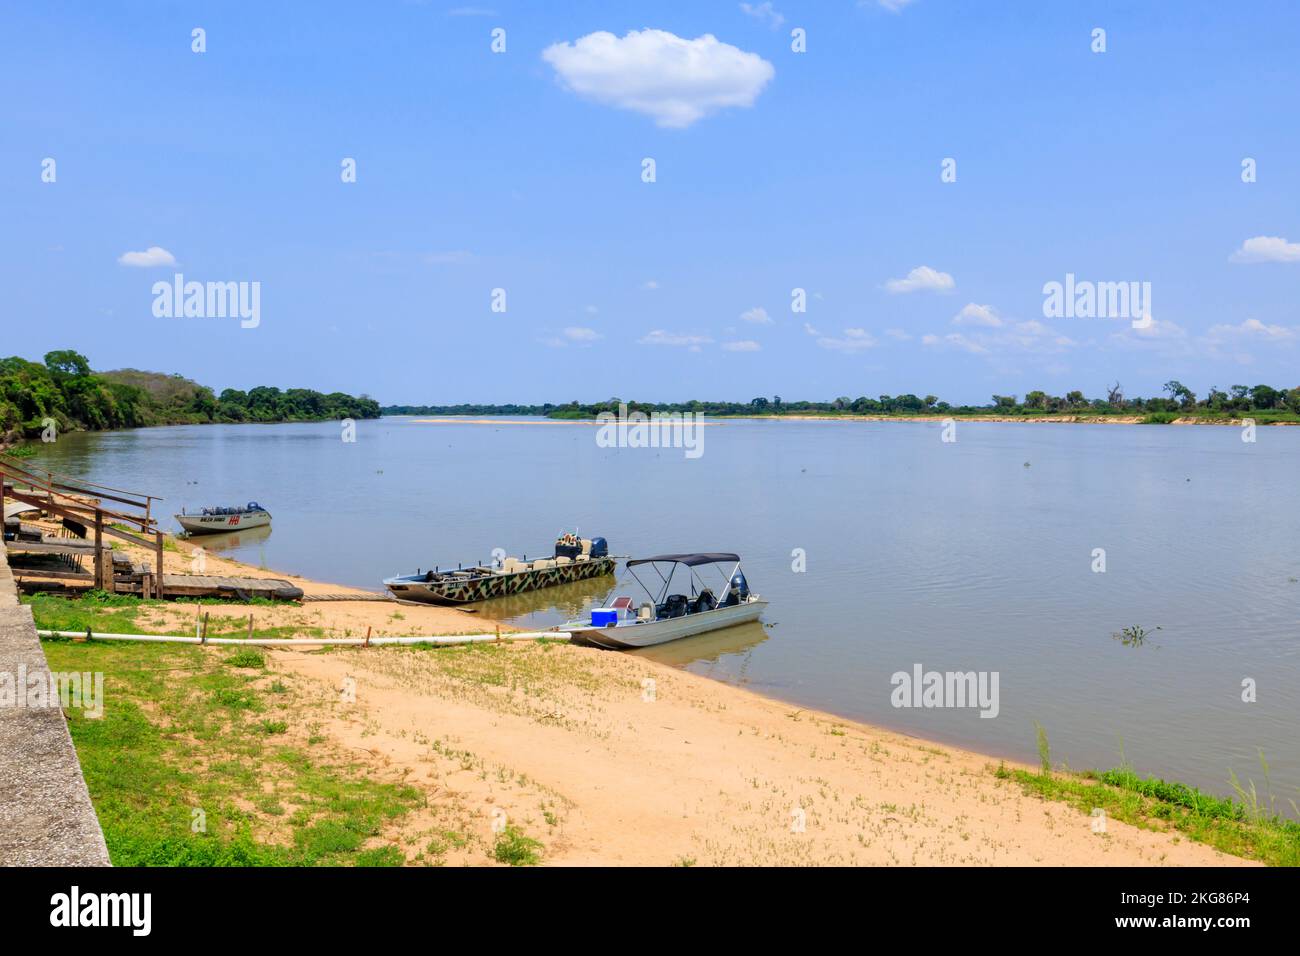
(83, 503)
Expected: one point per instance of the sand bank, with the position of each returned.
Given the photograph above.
(611, 758)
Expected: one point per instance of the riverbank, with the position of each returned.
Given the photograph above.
(1153, 418)
(583, 756)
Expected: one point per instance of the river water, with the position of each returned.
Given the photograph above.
(881, 547)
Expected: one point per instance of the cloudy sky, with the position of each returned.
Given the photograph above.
(668, 200)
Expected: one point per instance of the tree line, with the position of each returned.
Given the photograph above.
(1178, 399)
(64, 390)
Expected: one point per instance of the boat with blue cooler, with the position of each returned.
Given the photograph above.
(574, 559)
(669, 615)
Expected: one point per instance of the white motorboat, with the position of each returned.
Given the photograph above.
(213, 520)
(623, 624)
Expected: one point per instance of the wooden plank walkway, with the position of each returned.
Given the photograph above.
(202, 585)
(52, 545)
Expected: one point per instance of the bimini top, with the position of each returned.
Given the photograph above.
(690, 560)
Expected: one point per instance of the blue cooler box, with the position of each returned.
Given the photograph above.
(603, 617)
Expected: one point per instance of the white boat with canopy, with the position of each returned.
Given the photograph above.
(669, 615)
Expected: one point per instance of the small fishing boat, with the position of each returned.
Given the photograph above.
(573, 560)
(212, 520)
(622, 624)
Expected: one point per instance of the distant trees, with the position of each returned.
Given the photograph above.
(1178, 398)
(65, 390)
(1180, 393)
(266, 403)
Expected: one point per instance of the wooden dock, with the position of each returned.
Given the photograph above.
(90, 514)
(237, 589)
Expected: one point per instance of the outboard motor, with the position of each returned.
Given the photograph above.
(599, 548)
(739, 586)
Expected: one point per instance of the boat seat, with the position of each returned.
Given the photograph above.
(704, 602)
(677, 605)
(622, 603)
(561, 561)
(511, 565)
(583, 557)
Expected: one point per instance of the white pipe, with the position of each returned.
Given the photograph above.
(445, 640)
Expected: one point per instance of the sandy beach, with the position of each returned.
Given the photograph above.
(610, 758)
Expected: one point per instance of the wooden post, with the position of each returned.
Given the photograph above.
(204, 639)
(158, 569)
(99, 549)
(250, 627)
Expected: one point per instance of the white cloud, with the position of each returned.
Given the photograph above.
(676, 339)
(744, 345)
(450, 257)
(660, 74)
(1267, 249)
(152, 257)
(649, 285)
(893, 6)
(921, 278)
(758, 315)
(1032, 337)
(1163, 337)
(955, 340)
(578, 335)
(973, 314)
(898, 335)
(808, 327)
(764, 12)
(1229, 341)
(1257, 329)
(853, 340)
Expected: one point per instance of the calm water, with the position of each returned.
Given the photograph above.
(954, 556)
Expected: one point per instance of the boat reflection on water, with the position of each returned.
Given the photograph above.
(723, 655)
(546, 607)
(243, 545)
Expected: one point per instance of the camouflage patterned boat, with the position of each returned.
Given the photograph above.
(574, 559)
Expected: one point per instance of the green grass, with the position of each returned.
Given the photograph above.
(1232, 826)
(106, 613)
(515, 849)
(247, 658)
(187, 739)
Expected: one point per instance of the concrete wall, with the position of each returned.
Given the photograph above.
(46, 818)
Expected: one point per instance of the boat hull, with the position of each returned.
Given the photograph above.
(214, 524)
(631, 636)
(490, 586)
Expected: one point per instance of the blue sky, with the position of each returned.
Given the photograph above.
(775, 170)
